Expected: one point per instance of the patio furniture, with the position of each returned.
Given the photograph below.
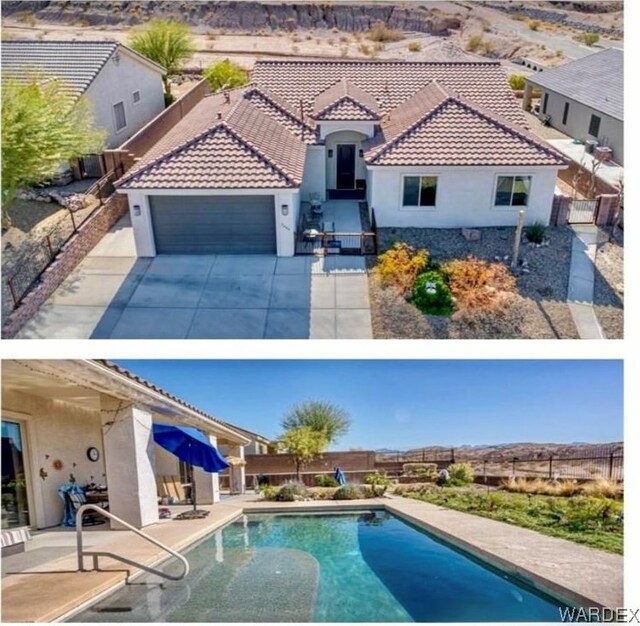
(89, 518)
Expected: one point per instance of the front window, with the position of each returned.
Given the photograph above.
(513, 190)
(121, 120)
(594, 126)
(15, 509)
(419, 191)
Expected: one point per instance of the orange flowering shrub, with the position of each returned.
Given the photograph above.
(399, 266)
(476, 283)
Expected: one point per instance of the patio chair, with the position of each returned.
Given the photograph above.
(89, 518)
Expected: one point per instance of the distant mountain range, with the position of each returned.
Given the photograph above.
(508, 450)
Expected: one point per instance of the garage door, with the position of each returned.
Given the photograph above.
(214, 224)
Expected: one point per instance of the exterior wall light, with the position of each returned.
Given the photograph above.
(285, 209)
(136, 210)
(361, 152)
(330, 153)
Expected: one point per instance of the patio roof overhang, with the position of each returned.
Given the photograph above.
(82, 382)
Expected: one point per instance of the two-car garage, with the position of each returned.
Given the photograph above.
(213, 224)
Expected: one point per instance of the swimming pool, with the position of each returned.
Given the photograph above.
(349, 567)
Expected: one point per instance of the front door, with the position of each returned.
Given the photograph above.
(346, 166)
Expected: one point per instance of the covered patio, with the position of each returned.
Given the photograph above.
(88, 424)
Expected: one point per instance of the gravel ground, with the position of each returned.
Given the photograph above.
(538, 311)
(608, 296)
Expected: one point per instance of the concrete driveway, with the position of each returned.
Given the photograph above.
(113, 294)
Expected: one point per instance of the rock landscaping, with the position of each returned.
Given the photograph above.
(608, 294)
(537, 309)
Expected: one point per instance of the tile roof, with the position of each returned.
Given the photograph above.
(596, 81)
(390, 82)
(345, 101)
(222, 145)
(428, 114)
(75, 63)
(438, 127)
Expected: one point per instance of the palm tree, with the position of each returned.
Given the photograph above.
(323, 417)
(167, 43)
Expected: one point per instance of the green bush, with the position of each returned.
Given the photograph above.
(421, 470)
(269, 492)
(460, 474)
(474, 43)
(324, 480)
(432, 295)
(534, 24)
(535, 232)
(349, 492)
(517, 82)
(590, 38)
(291, 492)
(378, 483)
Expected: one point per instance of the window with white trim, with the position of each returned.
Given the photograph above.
(136, 96)
(419, 191)
(512, 190)
(120, 117)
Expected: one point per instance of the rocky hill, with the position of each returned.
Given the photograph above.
(243, 16)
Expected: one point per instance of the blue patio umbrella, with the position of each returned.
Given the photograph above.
(191, 446)
(340, 477)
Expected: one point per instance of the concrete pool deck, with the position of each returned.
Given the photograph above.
(579, 574)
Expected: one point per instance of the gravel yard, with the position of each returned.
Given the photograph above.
(608, 296)
(538, 311)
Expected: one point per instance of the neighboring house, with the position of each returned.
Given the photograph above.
(124, 88)
(93, 419)
(257, 443)
(433, 145)
(585, 99)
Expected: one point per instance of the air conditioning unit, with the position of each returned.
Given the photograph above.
(590, 145)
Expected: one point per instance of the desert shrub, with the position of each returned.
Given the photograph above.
(431, 294)
(381, 32)
(534, 24)
(559, 53)
(585, 513)
(365, 49)
(602, 488)
(349, 492)
(590, 38)
(268, 492)
(399, 266)
(420, 469)
(291, 491)
(379, 483)
(324, 480)
(322, 493)
(474, 43)
(415, 46)
(460, 474)
(401, 490)
(535, 232)
(517, 81)
(476, 283)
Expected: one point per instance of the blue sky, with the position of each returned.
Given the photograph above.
(406, 403)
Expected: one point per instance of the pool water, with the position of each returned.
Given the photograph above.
(356, 567)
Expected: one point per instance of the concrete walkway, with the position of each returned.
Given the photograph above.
(113, 294)
(581, 281)
(54, 589)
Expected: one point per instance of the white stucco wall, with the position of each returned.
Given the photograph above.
(464, 197)
(314, 179)
(366, 128)
(54, 430)
(285, 224)
(611, 132)
(116, 82)
(346, 137)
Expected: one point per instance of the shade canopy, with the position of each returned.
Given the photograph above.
(189, 445)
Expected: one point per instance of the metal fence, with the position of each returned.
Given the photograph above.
(35, 257)
(587, 464)
(326, 242)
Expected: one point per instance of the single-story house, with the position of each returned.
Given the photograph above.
(124, 88)
(90, 421)
(585, 99)
(433, 145)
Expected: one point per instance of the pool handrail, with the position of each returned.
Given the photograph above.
(105, 513)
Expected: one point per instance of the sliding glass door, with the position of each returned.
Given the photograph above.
(15, 508)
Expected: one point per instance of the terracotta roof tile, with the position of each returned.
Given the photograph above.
(453, 132)
(430, 114)
(390, 82)
(347, 99)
